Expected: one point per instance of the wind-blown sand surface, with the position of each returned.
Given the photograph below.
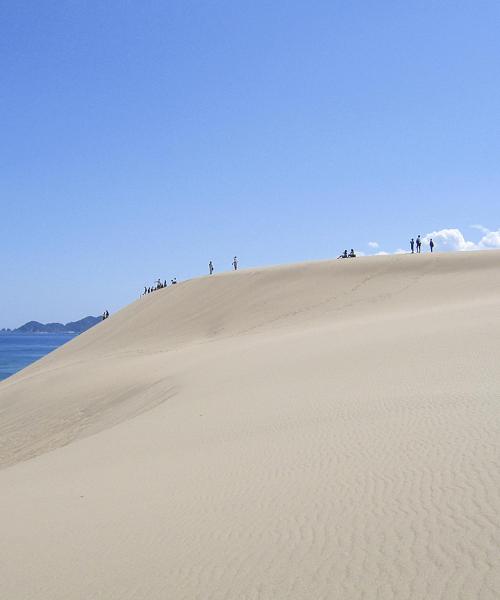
(321, 430)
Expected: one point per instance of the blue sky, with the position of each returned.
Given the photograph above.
(141, 139)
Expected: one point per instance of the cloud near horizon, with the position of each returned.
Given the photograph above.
(452, 240)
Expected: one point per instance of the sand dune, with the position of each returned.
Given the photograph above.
(316, 431)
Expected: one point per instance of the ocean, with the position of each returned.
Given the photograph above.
(19, 351)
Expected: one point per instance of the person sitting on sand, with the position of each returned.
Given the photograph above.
(352, 253)
(344, 255)
(173, 281)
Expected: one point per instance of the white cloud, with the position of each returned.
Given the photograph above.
(449, 239)
(490, 240)
(454, 239)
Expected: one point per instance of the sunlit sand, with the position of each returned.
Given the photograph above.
(324, 430)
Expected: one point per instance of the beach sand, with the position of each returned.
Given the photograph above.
(325, 430)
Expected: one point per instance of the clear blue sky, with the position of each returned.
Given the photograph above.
(141, 139)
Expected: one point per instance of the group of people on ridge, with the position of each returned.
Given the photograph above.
(234, 264)
(351, 254)
(416, 245)
(158, 285)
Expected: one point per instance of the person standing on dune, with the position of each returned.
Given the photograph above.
(412, 245)
(431, 244)
(419, 244)
(210, 267)
(235, 263)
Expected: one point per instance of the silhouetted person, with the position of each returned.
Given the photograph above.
(412, 245)
(419, 244)
(235, 263)
(173, 281)
(210, 267)
(343, 255)
(145, 290)
(431, 244)
(352, 253)
(165, 283)
(107, 314)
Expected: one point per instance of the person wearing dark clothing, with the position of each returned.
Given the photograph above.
(210, 267)
(431, 244)
(352, 253)
(235, 263)
(419, 244)
(173, 281)
(343, 255)
(165, 283)
(412, 245)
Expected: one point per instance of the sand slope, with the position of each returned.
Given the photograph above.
(321, 430)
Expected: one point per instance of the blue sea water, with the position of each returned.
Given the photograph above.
(19, 351)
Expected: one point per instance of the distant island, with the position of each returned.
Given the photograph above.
(72, 327)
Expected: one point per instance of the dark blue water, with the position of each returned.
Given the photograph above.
(19, 351)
